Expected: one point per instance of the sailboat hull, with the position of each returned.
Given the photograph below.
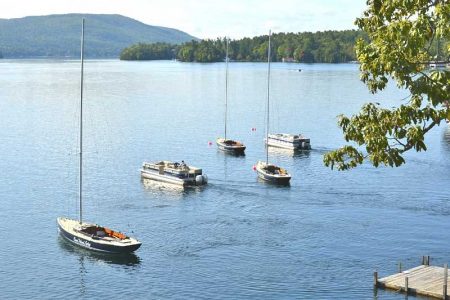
(233, 147)
(279, 179)
(274, 180)
(68, 232)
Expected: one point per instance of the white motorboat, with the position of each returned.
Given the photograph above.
(288, 141)
(174, 173)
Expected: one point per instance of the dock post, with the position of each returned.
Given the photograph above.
(444, 290)
(406, 285)
(428, 260)
(423, 260)
(400, 267)
(375, 279)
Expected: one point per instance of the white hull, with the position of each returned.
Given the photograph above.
(279, 177)
(282, 145)
(73, 231)
(173, 173)
(166, 178)
(236, 147)
(288, 141)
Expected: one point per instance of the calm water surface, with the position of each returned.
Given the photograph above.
(237, 238)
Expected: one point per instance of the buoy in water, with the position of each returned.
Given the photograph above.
(209, 143)
(254, 168)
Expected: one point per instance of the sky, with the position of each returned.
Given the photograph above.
(208, 19)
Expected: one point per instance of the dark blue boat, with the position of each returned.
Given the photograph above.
(87, 235)
(97, 238)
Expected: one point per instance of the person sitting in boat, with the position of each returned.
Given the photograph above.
(183, 164)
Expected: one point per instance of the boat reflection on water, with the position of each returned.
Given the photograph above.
(290, 153)
(126, 259)
(157, 187)
(231, 153)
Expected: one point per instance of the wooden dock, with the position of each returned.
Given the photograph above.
(425, 280)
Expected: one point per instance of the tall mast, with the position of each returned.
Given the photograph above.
(226, 89)
(81, 123)
(268, 98)
(437, 51)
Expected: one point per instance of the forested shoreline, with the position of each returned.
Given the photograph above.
(306, 47)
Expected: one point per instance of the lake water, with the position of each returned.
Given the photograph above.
(236, 238)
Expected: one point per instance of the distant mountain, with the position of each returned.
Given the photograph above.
(59, 35)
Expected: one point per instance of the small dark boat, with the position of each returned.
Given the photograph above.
(272, 173)
(88, 235)
(225, 144)
(230, 146)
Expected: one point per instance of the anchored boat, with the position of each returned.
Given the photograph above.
(272, 173)
(88, 235)
(224, 144)
(174, 173)
(95, 237)
(266, 171)
(288, 141)
(231, 146)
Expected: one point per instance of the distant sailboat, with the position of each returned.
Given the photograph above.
(224, 144)
(88, 235)
(266, 171)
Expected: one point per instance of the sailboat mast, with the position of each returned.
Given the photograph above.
(226, 89)
(81, 123)
(437, 51)
(268, 98)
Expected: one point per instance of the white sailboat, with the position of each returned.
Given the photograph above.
(267, 171)
(89, 235)
(225, 144)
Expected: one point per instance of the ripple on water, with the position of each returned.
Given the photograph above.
(236, 238)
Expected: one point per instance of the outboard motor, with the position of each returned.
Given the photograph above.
(201, 179)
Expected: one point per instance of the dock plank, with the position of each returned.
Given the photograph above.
(422, 280)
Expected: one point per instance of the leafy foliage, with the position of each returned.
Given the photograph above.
(148, 52)
(59, 35)
(404, 36)
(326, 47)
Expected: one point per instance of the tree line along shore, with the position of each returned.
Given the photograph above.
(307, 47)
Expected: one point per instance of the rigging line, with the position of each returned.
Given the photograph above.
(268, 100)
(226, 87)
(81, 123)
